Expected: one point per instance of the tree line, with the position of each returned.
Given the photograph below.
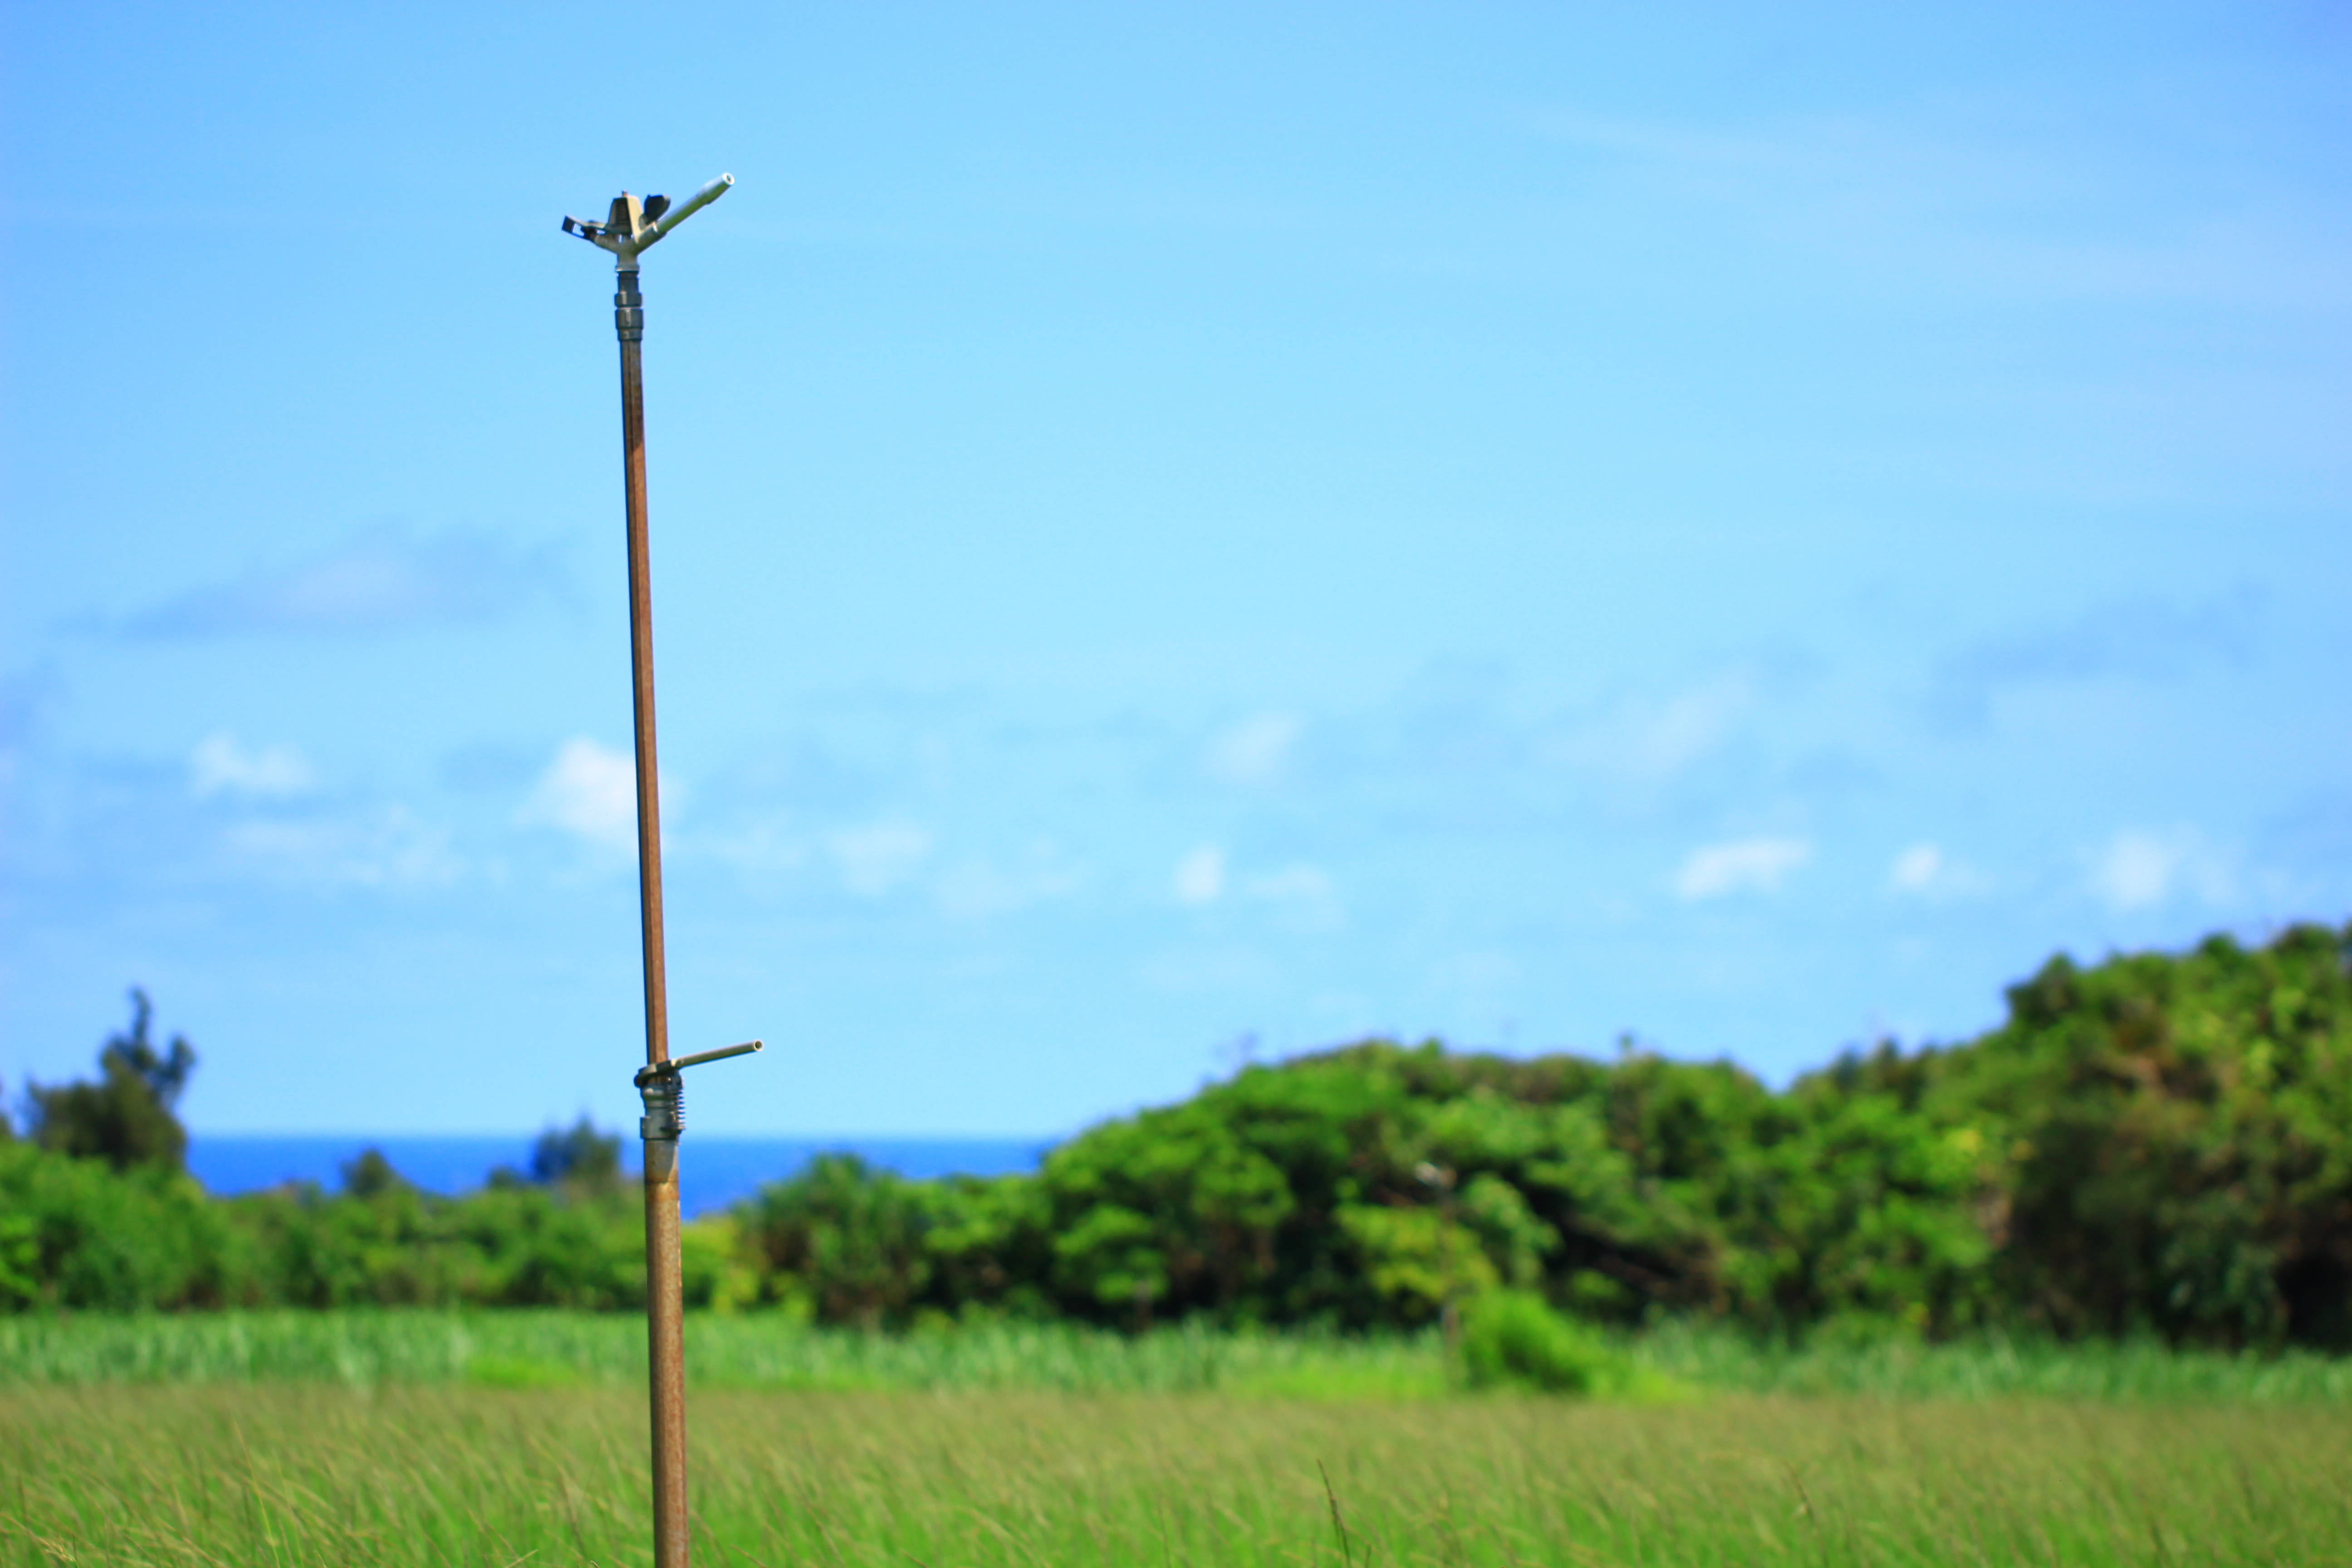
(2158, 1143)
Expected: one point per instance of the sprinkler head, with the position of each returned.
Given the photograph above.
(633, 224)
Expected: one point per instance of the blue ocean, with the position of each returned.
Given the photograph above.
(713, 1171)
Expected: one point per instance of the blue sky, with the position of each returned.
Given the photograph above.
(1175, 537)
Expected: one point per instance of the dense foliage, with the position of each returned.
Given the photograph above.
(125, 1117)
(2162, 1143)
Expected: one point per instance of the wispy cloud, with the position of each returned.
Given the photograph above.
(1743, 866)
(222, 766)
(1991, 197)
(1915, 869)
(2139, 869)
(589, 791)
(2133, 640)
(761, 846)
(1925, 871)
(25, 698)
(389, 848)
(1665, 738)
(1200, 875)
(1297, 882)
(1300, 896)
(976, 886)
(1255, 751)
(380, 581)
(1297, 890)
(879, 858)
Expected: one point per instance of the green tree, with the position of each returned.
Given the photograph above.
(578, 1156)
(80, 1234)
(2173, 1130)
(126, 1117)
(371, 1174)
(853, 1237)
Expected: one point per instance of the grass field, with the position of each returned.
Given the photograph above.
(434, 1438)
(535, 1349)
(291, 1474)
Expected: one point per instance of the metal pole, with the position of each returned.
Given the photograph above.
(630, 228)
(665, 1314)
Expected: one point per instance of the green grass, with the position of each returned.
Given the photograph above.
(308, 1474)
(438, 1438)
(543, 1349)
(548, 1349)
(1993, 1367)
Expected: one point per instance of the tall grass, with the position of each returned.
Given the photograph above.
(1989, 1367)
(559, 1349)
(401, 1475)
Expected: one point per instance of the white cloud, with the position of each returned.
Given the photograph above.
(1666, 740)
(1298, 891)
(219, 765)
(1916, 868)
(2139, 869)
(1200, 876)
(2137, 640)
(1926, 871)
(1747, 865)
(977, 887)
(1300, 896)
(1651, 740)
(1297, 882)
(1256, 750)
(588, 790)
(878, 857)
(1975, 196)
(389, 848)
(379, 581)
(760, 846)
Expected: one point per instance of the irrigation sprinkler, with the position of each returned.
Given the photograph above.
(627, 230)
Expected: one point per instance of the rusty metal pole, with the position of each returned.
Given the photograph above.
(665, 1304)
(631, 227)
